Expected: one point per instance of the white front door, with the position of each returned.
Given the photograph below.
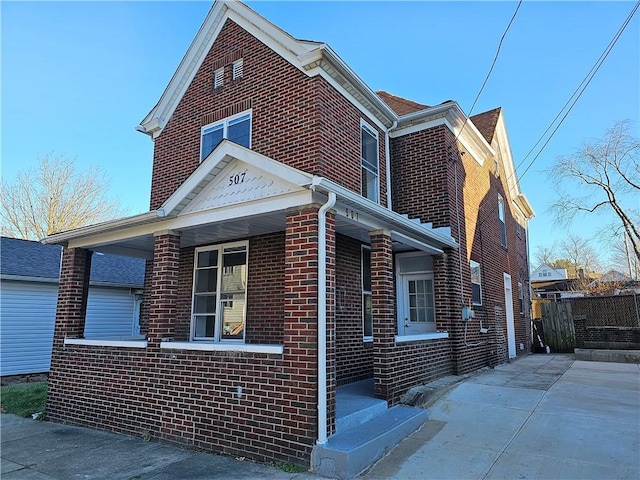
(417, 305)
(508, 303)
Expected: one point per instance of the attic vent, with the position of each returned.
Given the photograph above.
(218, 78)
(237, 69)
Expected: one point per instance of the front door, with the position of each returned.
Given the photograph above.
(417, 313)
(508, 304)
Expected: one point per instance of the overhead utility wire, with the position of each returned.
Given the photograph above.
(579, 91)
(577, 94)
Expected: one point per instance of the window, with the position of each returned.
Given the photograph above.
(367, 306)
(521, 298)
(501, 217)
(476, 283)
(416, 294)
(236, 128)
(237, 70)
(369, 161)
(219, 292)
(218, 78)
(518, 227)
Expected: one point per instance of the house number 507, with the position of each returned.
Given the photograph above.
(236, 179)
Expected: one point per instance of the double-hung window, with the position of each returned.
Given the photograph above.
(369, 161)
(219, 292)
(521, 298)
(501, 218)
(476, 283)
(236, 128)
(367, 306)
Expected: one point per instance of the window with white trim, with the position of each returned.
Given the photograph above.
(369, 161)
(218, 78)
(521, 298)
(236, 128)
(219, 292)
(501, 218)
(476, 283)
(367, 306)
(236, 70)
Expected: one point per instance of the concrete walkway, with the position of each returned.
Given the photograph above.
(539, 417)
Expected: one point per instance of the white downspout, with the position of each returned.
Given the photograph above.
(387, 154)
(322, 318)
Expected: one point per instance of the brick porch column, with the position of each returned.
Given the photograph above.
(73, 291)
(301, 315)
(164, 287)
(384, 318)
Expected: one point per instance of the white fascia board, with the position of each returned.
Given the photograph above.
(507, 158)
(217, 160)
(266, 32)
(394, 220)
(412, 242)
(65, 238)
(525, 207)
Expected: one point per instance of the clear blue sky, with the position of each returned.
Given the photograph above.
(77, 77)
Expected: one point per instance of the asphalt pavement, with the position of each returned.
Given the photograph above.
(538, 417)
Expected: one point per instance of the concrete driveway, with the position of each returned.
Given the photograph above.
(539, 417)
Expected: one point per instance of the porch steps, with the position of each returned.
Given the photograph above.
(350, 451)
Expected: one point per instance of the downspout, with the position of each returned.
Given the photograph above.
(387, 154)
(322, 318)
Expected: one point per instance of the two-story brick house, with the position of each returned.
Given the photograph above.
(304, 233)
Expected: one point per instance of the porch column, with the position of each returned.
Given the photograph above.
(300, 334)
(164, 287)
(384, 319)
(73, 291)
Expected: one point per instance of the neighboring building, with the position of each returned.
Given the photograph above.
(545, 273)
(305, 233)
(29, 274)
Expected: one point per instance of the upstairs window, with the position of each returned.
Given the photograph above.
(236, 128)
(236, 71)
(369, 161)
(521, 298)
(501, 218)
(367, 306)
(476, 283)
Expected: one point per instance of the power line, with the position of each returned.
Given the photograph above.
(577, 94)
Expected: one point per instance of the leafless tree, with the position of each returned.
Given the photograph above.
(605, 174)
(546, 255)
(53, 197)
(578, 257)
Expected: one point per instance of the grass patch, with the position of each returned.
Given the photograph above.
(289, 467)
(23, 400)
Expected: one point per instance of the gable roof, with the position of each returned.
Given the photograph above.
(486, 122)
(401, 106)
(26, 258)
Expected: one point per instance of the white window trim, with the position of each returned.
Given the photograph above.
(104, 342)
(222, 347)
(374, 132)
(423, 336)
(218, 341)
(472, 282)
(365, 338)
(225, 127)
(502, 219)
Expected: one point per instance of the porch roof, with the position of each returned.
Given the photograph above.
(237, 193)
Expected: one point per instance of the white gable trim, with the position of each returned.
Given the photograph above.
(216, 162)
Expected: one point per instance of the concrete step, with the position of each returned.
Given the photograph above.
(617, 356)
(361, 414)
(349, 452)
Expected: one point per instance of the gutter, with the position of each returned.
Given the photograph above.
(322, 318)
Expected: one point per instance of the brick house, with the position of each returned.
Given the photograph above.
(304, 233)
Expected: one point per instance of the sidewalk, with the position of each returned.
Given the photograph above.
(539, 417)
(44, 451)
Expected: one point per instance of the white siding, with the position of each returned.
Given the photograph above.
(27, 317)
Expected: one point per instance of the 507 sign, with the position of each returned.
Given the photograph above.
(236, 179)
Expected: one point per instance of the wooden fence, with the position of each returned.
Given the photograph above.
(557, 326)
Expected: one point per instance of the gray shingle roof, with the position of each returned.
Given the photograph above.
(33, 259)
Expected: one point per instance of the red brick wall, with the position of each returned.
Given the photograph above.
(354, 357)
(301, 121)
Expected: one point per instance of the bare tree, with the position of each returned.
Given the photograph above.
(546, 255)
(606, 177)
(578, 257)
(53, 197)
